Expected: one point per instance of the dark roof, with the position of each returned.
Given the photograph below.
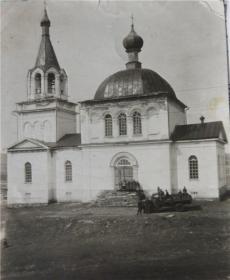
(46, 56)
(210, 130)
(131, 82)
(69, 140)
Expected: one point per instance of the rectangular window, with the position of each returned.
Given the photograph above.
(68, 171)
(193, 168)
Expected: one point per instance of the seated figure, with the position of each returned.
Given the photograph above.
(167, 195)
(185, 190)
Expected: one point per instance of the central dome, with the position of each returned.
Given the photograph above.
(131, 82)
(134, 81)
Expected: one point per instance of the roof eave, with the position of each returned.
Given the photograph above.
(133, 97)
(201, 139)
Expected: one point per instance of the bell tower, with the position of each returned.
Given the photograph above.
(46, 79)
(47, 114)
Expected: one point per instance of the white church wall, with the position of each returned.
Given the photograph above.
(206, 186)
(77, 189)
(38, 126)
(93, 173)
(51, 158)
(66, 123)
(84, 124)
(153, 168)
(20, 192)
(152, 123)
(176, 115)
(173, 168)
(154, 118)
(46, 120)
(221, 161)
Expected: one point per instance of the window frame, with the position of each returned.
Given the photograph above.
(28, 173)
(137, 124)
(68, 171)
(122, 124)
(193, 168)
(108, 124)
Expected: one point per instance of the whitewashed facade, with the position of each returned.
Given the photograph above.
(134, 128)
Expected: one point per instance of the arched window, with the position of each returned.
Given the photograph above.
(51, 83)
(108, 125)
(122, 124)
(62, 84)
(137, 129)
(28, 172)
(193, 167)
(47, 131)
(27, 129)
(38, 83)
(68, 171)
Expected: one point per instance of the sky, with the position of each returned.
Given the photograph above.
(184, 42)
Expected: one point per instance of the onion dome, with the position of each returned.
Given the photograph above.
(133, 42)
(133, 82)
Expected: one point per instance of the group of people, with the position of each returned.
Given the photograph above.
(131, 185)
(165, 195)
(159, 196)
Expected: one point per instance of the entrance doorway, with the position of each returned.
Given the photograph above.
(125, 168)
(123, 172)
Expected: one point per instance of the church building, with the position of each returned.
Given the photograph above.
(134, 128)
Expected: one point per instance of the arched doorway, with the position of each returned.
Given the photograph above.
(123, 171)
(124, 168)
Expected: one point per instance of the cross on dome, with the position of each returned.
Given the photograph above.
(132, 20)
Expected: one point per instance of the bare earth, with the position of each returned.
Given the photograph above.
(76, 241)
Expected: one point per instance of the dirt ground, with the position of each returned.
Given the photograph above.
(76, 241)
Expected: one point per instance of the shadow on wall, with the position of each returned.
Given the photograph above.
(3, 175)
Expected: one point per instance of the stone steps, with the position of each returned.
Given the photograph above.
(111, 198)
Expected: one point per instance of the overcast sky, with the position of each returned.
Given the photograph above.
(184, 41)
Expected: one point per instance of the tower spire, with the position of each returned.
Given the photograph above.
(46, 55)
(45, 22)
